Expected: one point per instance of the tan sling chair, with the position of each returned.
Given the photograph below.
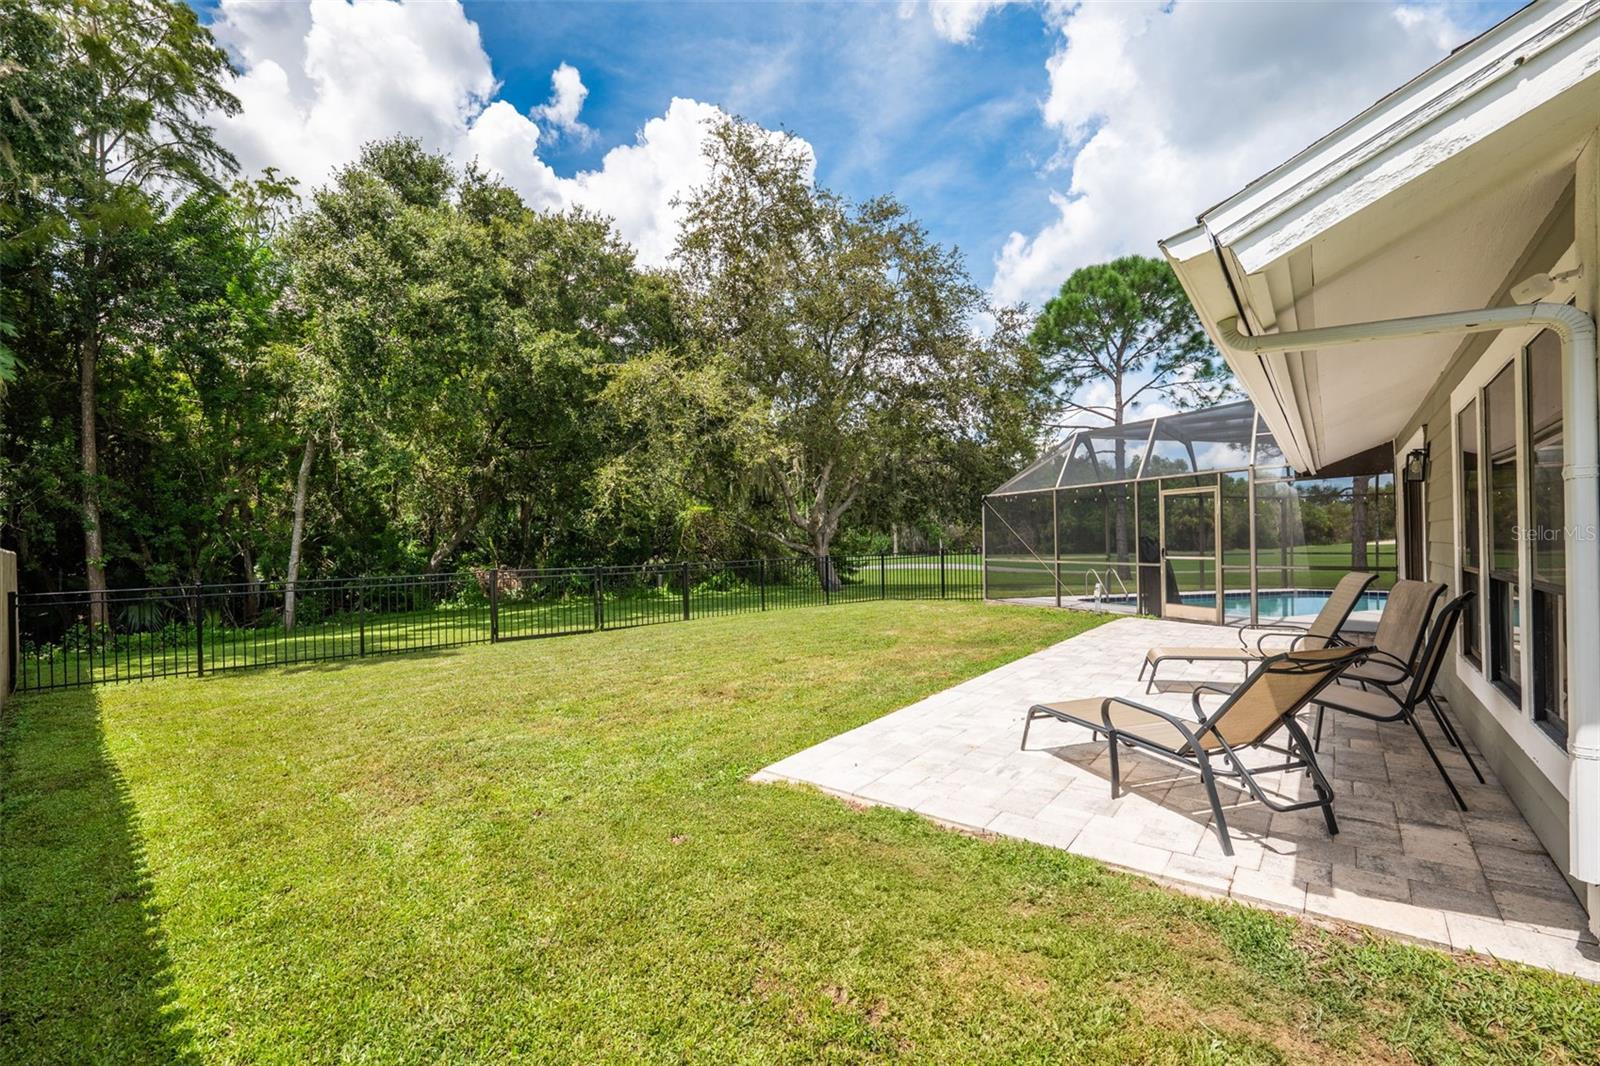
(1249, 716)
(1322, 632)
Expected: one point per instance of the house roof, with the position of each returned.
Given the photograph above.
(1429, 200)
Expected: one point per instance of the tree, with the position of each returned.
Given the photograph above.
(829, 344)
(463, 333)
(149, 73)
(1125, 327)
(36, 147)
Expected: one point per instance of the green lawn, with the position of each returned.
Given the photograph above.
(550, 851)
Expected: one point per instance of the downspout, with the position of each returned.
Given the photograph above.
(1576, 331)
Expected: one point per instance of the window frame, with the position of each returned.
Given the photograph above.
(1557, 726)
(1469, 575)
(1513, 712)
(1507, 663)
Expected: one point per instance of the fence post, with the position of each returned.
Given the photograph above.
(599, 599)
(763, 584)
(361, 620)
(883, 577)
(941, 569)
(827, 571)
(494, 605)
(199, 634)
(14, 635)
(685, 590)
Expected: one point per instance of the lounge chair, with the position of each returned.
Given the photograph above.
(1321, 633)
(1384, 705)
(1397, 651)
(1248, 717)
(1401, 629)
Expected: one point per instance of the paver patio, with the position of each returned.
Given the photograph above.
(1405, 861)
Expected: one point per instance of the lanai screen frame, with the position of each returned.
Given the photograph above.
(1254, 465)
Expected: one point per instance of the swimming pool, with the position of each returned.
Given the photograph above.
(1283, 603)
(1274, 603)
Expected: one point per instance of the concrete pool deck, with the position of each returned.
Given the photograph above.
(1406, 861)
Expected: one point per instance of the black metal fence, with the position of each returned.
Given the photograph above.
(66, 639)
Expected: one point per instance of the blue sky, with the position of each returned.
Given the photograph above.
(1037, 137)
(890, 107)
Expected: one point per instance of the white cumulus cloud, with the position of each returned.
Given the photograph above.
(955, 20)
(567, 93)
(320, 78)
(1166, 108)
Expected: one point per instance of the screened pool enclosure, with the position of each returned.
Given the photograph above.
(1190, 516)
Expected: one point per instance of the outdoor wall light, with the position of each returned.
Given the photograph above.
(1417, 464)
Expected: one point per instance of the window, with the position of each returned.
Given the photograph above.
(1547, 534)
(1504, 607)
(1471, 531)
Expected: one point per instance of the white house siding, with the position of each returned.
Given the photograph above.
(1541, 802)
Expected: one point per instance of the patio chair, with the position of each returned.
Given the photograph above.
(1381, 705)
(1397, 652)
(1322, 632)
(1248, 717)
(1401, 628)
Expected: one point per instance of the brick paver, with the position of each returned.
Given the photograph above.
(1405, 860)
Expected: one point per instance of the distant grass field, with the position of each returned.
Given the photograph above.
(550, 851)
(1308, 567)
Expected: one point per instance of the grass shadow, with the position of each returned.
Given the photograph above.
(86, 976)
(349, 662)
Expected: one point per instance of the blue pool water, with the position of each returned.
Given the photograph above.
(1284, 604)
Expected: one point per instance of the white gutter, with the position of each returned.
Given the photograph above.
(1581, 477)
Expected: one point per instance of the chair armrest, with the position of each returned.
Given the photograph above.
(1172, 720)
(1389, 662)
(1387, 659)
(1201, 690)
(1335, 641)
(1271, 629)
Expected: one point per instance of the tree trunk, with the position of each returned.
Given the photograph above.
(1358, 524)
(1120, 512)
(446, 548)
(297, 531)
(827, 572)
(93, 539)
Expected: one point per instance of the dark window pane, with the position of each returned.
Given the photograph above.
(1471, 533)
(1505, 590)
(1549, 626)
(1471, 530)
(1505, 635)
(1546, 457)
(1547, 534)
(1500, 415)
